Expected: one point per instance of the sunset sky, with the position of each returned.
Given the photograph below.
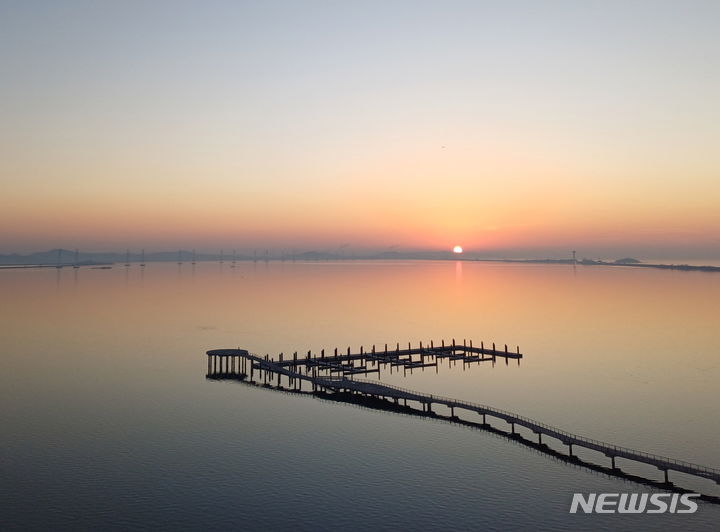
(510, 128)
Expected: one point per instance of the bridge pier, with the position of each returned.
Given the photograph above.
(570, 449)
(539, 438)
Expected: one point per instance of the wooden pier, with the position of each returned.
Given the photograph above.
(361, 362)
(330, 374)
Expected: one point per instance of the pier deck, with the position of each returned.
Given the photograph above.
(319, 373)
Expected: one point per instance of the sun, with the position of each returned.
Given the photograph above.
(457, 249)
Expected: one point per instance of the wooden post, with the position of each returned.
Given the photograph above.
(540, 439)
(209, 364)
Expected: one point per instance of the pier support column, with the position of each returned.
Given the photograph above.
(539, 438)
(612, 461)
(570, 449)
(209, 364)
(512, 428)
(667, 479)
(484, 422)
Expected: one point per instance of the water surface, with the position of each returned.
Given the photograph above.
(108, 420)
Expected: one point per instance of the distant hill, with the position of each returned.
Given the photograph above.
(627, 260)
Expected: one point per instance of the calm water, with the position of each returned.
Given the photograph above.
(108, 421)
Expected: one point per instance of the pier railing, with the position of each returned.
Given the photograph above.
(247, 362)
(531, 423)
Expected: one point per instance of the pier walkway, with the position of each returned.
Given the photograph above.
(319, 372)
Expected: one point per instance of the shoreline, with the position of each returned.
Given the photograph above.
(569, 262)
(681, 267)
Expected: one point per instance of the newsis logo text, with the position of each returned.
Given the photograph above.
(634, 503)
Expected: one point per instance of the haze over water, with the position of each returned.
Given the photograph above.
(108, 420)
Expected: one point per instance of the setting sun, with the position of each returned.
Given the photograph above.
(457, 249)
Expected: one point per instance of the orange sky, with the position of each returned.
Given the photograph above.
(505, 130)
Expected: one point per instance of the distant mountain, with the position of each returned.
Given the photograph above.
(67, 256)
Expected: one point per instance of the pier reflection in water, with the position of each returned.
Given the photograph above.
(333, 376)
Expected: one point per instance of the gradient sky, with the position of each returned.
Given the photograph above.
(518, 128)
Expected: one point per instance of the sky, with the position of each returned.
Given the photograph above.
(510, 128)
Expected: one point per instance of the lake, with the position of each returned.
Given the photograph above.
(108, 421)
